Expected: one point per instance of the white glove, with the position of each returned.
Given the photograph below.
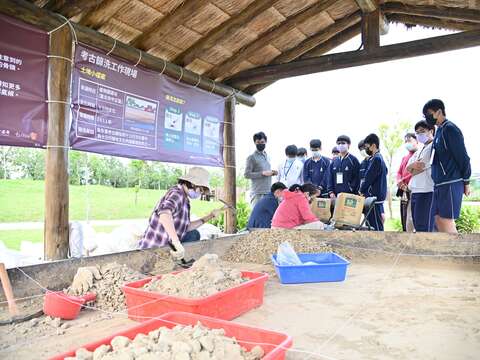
(180, 253)
(83, 279)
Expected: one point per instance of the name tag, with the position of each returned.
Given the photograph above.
(339, 177)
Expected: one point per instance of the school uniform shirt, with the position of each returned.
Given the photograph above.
(451, 162)
(422, 182)
(290, 173)
(363, 169)
(316, 172)
(293, 211)
(344, 175)
(375, 181)
(262, 213)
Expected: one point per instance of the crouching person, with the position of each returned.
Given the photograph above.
(262, 213)
(170, 220)
(294, 211)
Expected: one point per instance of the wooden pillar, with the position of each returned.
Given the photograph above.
(371, 30)
(230, 174)
(56, 158)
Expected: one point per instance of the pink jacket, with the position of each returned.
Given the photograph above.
(293, 211)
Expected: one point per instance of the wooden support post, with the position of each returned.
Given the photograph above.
(7, 290)
(56, 158)
(230, 174)
(371, 30)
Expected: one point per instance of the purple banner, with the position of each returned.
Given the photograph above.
(23, 84)
(123, 110)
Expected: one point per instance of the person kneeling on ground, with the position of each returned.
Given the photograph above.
(170, 220)
(294, 211)
(375, 181)
(262, 213)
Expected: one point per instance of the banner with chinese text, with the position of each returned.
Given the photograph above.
(123, 110)
(23, 84)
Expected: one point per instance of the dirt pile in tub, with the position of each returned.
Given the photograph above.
(107, 282)
(258, 246)
(180, 343)
(206, 277)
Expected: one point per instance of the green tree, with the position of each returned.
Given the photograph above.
(29, 162)
(6, 161)
(392, 138)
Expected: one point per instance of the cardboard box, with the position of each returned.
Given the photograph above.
(348, 209)
(322, 209)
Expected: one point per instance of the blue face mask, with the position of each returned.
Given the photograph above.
(290, 160)
(193, 194)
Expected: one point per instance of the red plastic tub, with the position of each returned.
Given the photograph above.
(67, 307)
(142, 305)
(274, 344)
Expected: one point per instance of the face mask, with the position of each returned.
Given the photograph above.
(430, 120)
(364, 153)
(260, 147)
(290, 160)
(301, 158)
(369, 152)
(423, 138)
(316, 154)
(343, 148)
(410, 147)
(193, 194)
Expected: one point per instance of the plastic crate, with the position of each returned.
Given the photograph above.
(331, 267)
(274, 344)
(142, 305)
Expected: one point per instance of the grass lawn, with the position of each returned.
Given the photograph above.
(23, 200)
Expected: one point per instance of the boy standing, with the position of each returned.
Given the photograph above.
(315, 169)
(344, 174)
(451, 169)
(375, 182)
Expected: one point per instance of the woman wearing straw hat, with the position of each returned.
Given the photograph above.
(170, 220)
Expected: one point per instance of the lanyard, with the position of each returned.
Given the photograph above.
(287, 171)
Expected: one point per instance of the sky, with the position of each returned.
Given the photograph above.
(357, 100)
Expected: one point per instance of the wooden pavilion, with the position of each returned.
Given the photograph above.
(233, 48)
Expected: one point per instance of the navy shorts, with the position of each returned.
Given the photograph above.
(447, 200)
(422, 213)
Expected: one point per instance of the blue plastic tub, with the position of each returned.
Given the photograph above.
(331, 267)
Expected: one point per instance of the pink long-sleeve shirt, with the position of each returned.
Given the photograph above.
(293, 211)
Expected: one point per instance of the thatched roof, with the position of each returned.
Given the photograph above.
(219, 38)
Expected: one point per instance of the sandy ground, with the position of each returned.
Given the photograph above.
(414, 310)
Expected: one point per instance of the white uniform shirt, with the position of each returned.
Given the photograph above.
(422, 183)
(290, 174)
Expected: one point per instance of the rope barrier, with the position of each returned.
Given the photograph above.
(181, 75)
(113, 47)
(61, 57)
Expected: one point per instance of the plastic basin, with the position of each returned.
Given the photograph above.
(273, 343)
(331, 267)
(228, 304)
(67, 307)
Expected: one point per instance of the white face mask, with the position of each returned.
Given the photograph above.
(410, 147)
(316, 153)
(364, 153)
(343, 148)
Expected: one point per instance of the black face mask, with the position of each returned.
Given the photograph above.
(369, 152)
(430, 120)
(260, 147)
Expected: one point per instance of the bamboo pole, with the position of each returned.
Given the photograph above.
(7, 290)
(56, 158)
(230, 187)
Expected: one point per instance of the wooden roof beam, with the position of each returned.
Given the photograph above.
(265, 39)
(433, 22)
(358, 58)
(321, 49)
(46, 20)
(71, 8)
(371, 30)
(157, 31)
(224, 30)
(369, 6)
(448, 13)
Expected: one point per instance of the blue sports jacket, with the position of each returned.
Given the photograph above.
(349, 166)
(375, 181)
(451, 162)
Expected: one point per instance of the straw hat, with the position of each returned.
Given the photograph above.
(197, 176)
